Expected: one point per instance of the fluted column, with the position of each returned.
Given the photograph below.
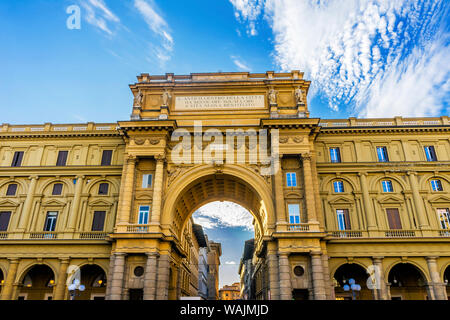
(127, 196)
(157, 188)
(309, 189)
(162, 288)
(117, 277)
(26, 210)
(317, 275)
(10, 278)
(285, 276)
(150, 276)
(418, 201)
(274, 272)
(73, 216)
(60, 289)
(380, 281)
(368, 209)
(438, 287)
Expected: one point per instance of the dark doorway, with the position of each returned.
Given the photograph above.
(136, 294)
(300, 294)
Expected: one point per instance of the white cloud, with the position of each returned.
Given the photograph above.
(230, 262)
(242, 66)
(380, 57)
(221, 214)
(98, 14)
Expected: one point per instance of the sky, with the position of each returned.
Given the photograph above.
(365, 58)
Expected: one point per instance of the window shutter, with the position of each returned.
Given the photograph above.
(106, 157)
(4, 220)
(99, 221)
(394, 219)
(62, 158)
(348, 225)
(17, 159)
(12, 188)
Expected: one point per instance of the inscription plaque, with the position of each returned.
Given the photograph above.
(188, 103)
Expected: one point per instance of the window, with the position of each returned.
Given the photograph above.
(12, 189)
(343, 218)
(294, 213)
(444, 218)
(98, 222)
(57, 189)
(436, 185)
(147, 180)
(106, 157)
(4, 220)
(430, 153)
(394, 218)
(338, 186)
(382, 154)
(291, 179)
(62, 158)
(387, 186)
(335, 154)
(50, 221)
(103, 188)
(17, 159)
(143, 214)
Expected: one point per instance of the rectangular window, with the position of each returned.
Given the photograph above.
(338, 186)
(17, 159)
(291, 179)
(12, 189)
(335, 154)
(98, 222)
(50, 221)
(294, 213)
(62, 158)
(382, 154)
(436, 185)
(144, 212)
(57, 189)
(147, 180)
(103, 188)
(4, 220)
(444, 218)
(106, 157)
(430, 153)
(343, 218)
(387, 186)
(394, 218)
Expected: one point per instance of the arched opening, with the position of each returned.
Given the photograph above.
(447, 280)
(407, 283)
(94, 280)
(2, 280)
(37, 284)
(343, 283)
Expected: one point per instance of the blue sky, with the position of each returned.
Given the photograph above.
(366, 58)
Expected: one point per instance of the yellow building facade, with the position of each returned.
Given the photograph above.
(332, 200)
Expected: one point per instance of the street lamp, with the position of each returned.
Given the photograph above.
(353, 287)
(74, 287)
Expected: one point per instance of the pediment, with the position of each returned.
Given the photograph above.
(53, 203)
(341, 200)
(390, 199)
(8, 203)
(100, 202)
(143, 196)
(440, 199)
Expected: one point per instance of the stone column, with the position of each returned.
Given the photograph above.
(279, 194)
(317, 276)
(309, 189)
(150, 276)
(110, 275)
(368, 209)
(127, 196)
(26, 210)
(285, 277)
(117, 277)
(162, 288)
(10, 278)
(380, 284)
(60, 288)
(73, 217)
(329, 286)
(418, 201)
(157, 188)
(272, 264)
(438, 287)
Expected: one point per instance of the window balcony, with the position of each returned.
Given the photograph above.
(298, 227)
(93, 235)
(399, 233)
(138, 228)
(347, 233)
(43, 235)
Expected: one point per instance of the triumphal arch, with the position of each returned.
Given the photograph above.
(220, 136)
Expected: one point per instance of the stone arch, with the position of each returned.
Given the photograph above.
(42, 278)
(67, 186)
(185, 183)
(96, 181)
(361, 264)
(31, 265)
(404, 283)
(357, 271)
(425, 183)
(22, 185)
(413, 263)
(444, 270)
(375, 182)
(328, 180)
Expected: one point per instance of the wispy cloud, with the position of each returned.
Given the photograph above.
(223, 214)
(379, 57)
(157, 24)
(99, 15)
(241, 65)
(230, 262)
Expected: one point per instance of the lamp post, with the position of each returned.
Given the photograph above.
(74, 287)
(353, 287)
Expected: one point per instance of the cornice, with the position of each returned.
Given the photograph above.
(385, 129)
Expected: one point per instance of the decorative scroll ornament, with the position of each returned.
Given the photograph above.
(139, 141)
(154, 141)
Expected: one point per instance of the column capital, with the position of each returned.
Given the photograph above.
(283, 254)
(431, 258)
(152, 254)
(365, 174)
(411, 173)
(79, 176)
(130, 158)
(315, 253)
(160, 157)
(14, 260)
(120, 254)
(306, 156)
(33, 177)
(64, 260)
